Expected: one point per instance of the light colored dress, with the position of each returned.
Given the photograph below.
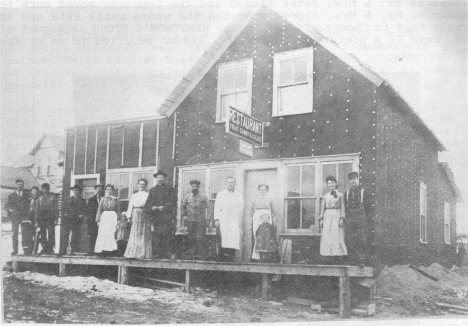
(108, 210)
(139, 242)
(228, 210)
(260, 205)
(332, 242)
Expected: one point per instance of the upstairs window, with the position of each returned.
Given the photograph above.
(422, 213)
(234, 88)
(292, 82)
(446, 223)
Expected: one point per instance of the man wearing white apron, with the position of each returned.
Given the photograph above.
(228, 209)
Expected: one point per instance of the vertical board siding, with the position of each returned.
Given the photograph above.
(91, 150)
(101, 153)
(115, 146)
(132, 145)
(149, 144)
(80, 151)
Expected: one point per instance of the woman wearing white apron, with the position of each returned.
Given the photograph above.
(331, 222)
(261, 205)
(106, 218)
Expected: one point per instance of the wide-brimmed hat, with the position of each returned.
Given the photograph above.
(194, 182)
(160, 172)
(98, 185)
(45, 185)
(78, 187)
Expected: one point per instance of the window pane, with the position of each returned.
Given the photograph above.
(114, 179)
(293, 213)
(327, 169)
(241, 77)
(124, 185)
(286, 99)
(187, 176)
(302, 98)
(227, 101)
(293, 181)
(308, 181)
(243, 101)
(343, 170)
(200, 176)
(286, 72)
(216, 184)
(229, 82)
(308, 213)
(300, 70)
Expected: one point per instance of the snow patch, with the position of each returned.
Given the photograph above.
(93, 286)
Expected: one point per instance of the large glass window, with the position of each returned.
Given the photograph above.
(292, 83)
(234, 88)
(300, 196)
(340, 171)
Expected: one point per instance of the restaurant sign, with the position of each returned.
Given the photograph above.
(244, 126)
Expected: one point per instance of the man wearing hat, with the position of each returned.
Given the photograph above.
(193, 210)
(93, 204)
(160, 207)
(17, 208)
(74, 211)
(357, 210)
(47, 218)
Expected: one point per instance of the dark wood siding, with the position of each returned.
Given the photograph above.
(115, 146)
(101, 153)
(91, 151)
(149, 143)
(132, 145)
(80, 151)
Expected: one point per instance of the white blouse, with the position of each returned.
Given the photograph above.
(138, 200)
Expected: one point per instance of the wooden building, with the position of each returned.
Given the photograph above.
(324, 113)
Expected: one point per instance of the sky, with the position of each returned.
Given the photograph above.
(48, 50)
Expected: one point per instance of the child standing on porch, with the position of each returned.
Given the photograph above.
(121, 235)
(265, 242)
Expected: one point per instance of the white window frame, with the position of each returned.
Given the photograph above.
(131, 175)
(227, 66)
(447, 225)
(422, 212)
(319, 162)
(276, 78)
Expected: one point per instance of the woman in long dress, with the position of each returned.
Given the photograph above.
(106, 218)
(261, 205)
(331, 222)
(139, 242)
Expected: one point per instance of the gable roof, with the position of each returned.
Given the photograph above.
(232, 31)
(449, 174)
(57, 141)
(10, 174)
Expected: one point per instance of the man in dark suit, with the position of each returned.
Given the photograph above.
(160, 207)
(17, 207)
(93, 204)
(74, 212)
(47, 218)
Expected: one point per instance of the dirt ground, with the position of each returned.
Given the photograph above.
(81, 298)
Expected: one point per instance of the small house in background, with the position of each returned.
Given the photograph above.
(9, 175)
(45, 161)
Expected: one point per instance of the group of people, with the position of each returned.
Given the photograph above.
(144, 230)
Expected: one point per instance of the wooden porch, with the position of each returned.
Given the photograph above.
(343, 272)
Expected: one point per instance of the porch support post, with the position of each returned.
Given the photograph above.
(62, 271)
(265, 286)
(187, 281)
(345, 297)
(123, 275)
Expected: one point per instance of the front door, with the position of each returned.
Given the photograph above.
(253, 178)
